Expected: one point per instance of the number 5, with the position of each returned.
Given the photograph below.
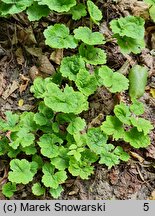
(146, 207)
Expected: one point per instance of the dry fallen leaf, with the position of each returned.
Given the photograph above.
(34, 51)
(152, 197)
(19, 56)
(11, 88)
(137, 156)
(20, 102)
(57, 56)
(25, 82)
(45, 65)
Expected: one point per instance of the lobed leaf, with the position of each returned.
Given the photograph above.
(78, 11)
(95, 13)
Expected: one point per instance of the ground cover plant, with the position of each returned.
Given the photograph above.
(55, 141)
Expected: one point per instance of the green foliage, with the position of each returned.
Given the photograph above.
(88, 37)
(8, 189)
(58, 5)
(86, 82)
(114, 81)
(37, 189)
(58, 36)
(138, 79)
(70, 66)
(129, 32)
(92, 55)
(95, 13)
(22, 171)
(55, 138)
(66, 101)
(36, 11)
(78, 11)
(152, 12)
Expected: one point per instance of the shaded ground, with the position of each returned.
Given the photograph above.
(23, 56)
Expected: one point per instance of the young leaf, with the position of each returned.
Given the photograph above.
(8, 189)
(36, 11)
(58, 37)
(56, 192)
(48, 145)
(114, 81)
(122, 113)
(86, 82)
(138, 79)
(21, 171)
(113, 126)
(137, 107)
(66, 101)
(95, 13)
(40, 119)
(70, 66)
(13, 7)
(130, 26)
(78, 11)
(51, 179)
(88, 37)
(78, 168)
(27, 121)
(29, 150)
(142, 125)
(92, 55)
(137, 139)
(37, 189)
(39, 86)
(58, 5)
(128, 45)
(96, 139)
(124, 156)
(78, 124)
(61, 162)
(11, 121)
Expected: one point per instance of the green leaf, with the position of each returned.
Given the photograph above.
(27, 121)
(13, 7)
(8, 189)
(4, 145)
(122, 113)
(58, 36)
(29, 150)
(51, 179)
(137, 81)
(142, 125)
(48, 145)
(78, 168)
(137, 139)
(137, 107)
(128, 45)
(130, 26)
(151, 2)
(86, 82)
(152, 12)
(61, 162)
(37, 189)
(78, 124)
(113, 126)
(96, 139)
(11, 121)
(107, 157)
(92, 55)
(22, 137)
(88, 37)
(21, 171)
(95, 13)
(114, 81)
(70, 66)
(56, 192)
(124, 156)
(40, 119)
(38, 159)
(46, 111)
(39, 86)
(36, 12)
(58, 5)
(78, 11)
(66, 101)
